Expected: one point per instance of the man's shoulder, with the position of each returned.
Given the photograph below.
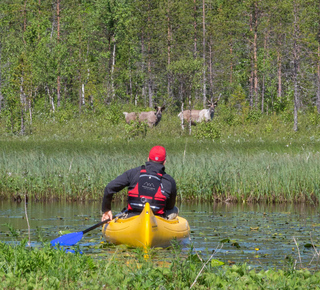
(133, 170)
(169, 177)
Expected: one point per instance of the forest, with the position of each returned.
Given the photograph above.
(84, 56)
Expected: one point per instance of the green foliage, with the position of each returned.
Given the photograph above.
(314, 117)
(135, 130)
(230, 116)
(46, 267)
(253, 116)
(104, 55)
(237, 99)
(211, 130)
(113, 114)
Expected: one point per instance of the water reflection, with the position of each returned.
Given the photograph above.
(259, 234)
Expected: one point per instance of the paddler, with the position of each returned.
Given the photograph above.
(146, 183)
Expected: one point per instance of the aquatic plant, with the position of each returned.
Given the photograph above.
(245, 172)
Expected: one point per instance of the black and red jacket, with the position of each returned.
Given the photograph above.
(130, 179)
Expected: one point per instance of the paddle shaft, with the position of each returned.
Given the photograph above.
(95, 226)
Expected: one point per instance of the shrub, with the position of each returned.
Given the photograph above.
(210, 130)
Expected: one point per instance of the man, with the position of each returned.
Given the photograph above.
(147, 183)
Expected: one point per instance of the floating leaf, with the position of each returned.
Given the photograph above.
(254, 229)
(235, 245)
(216, 263)
(225, 241)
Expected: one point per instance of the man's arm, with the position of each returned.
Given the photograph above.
(117, 185)
(113, 187)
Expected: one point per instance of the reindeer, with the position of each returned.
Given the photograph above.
(198, 116)
(152, 118)
(187, 115)
(130, 117)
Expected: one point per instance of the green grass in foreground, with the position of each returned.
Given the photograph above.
(47, 268)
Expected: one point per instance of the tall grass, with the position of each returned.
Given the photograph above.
(202, 170)
(243, 158)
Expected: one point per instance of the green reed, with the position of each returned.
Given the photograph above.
(203, 170)
(253, 159)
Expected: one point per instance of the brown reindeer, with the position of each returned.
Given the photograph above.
(130, 117)
(198, 116)
(152, 118)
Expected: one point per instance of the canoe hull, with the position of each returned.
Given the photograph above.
(146, 230)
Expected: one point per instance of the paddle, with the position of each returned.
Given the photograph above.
(73, 238)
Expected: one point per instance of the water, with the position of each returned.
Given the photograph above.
(260, 235)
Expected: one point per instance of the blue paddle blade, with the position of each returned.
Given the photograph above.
(68, 239)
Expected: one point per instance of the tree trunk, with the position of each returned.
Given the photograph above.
(51, 101)
(190, 112)
(195, 29)
(262, 94)
(169, 52)
(231, 63)
(266, 39)
(210, 69)
(318, 77)
(82, 94)
(251, 73)
(251, 88)
(23, 101)
(296, 57)
(130, 83)
(296, 97)
(279, 60)
(143, 89)
(58, 40)
(318, 63)
(24, 20)
(112, 69)
(204, 52)
(182, 119)
(255, 57)
(1, 96)
(39, 12)
(149, 61)
(30, 111)
(181, 99)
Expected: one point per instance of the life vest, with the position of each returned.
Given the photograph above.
(148, 189)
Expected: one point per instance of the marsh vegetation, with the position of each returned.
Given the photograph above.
(249, 160)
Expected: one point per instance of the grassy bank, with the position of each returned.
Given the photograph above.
(232, 158)
(37, 268)
(203, 170)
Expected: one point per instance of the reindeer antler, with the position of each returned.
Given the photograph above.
(216, 102)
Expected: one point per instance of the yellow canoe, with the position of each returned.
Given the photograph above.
(146, 230)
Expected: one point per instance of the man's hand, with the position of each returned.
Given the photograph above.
(106, 215)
